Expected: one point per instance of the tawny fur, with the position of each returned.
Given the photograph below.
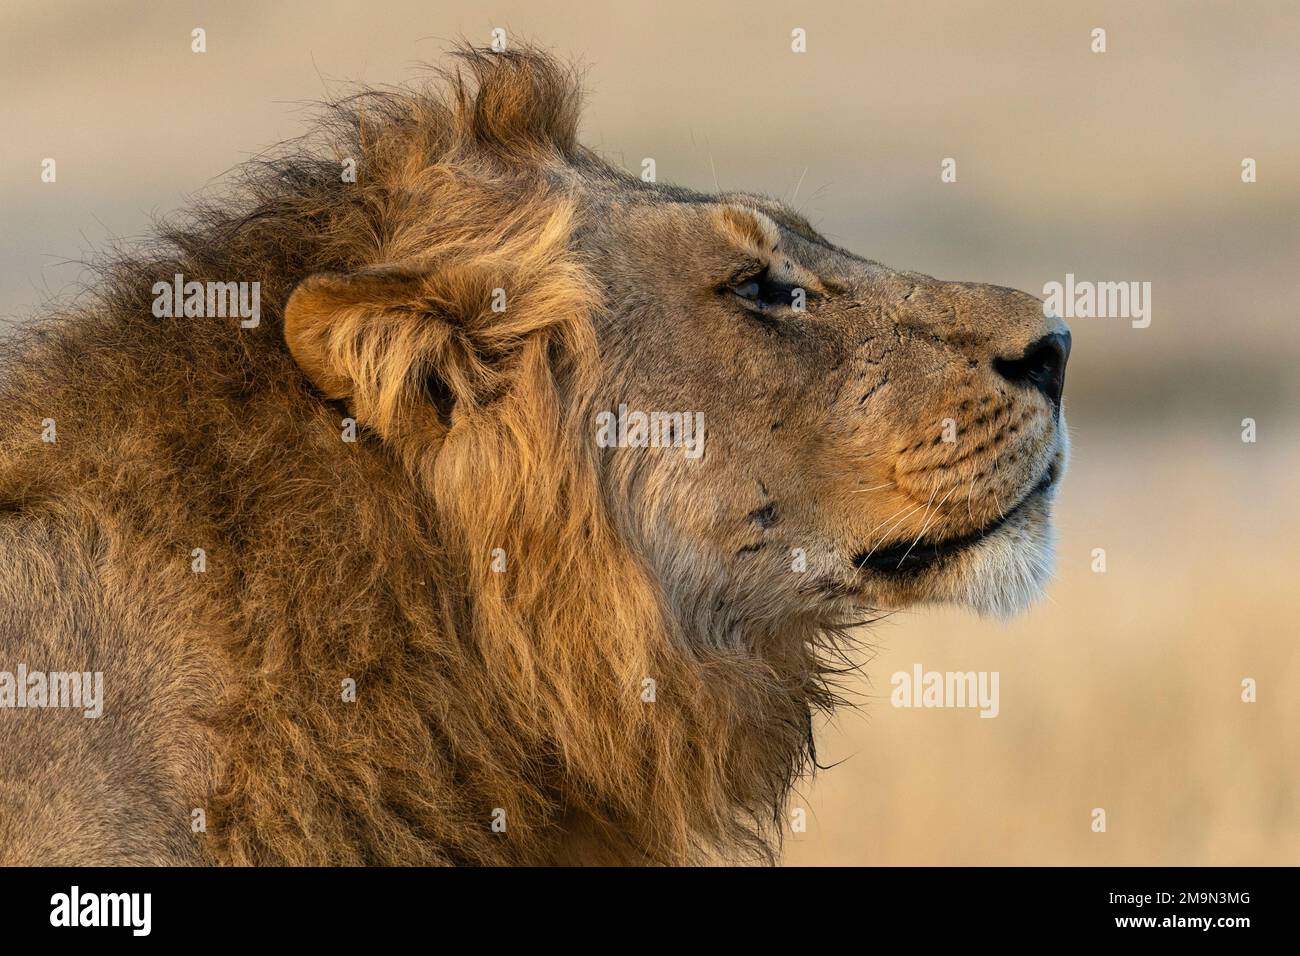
(483, 693)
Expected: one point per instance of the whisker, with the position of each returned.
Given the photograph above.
(997, 504)
(862, 491)
(921, 533)
(795, 196)
(893, 526)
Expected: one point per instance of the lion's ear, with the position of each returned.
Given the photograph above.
(381, 339)
(408, 343)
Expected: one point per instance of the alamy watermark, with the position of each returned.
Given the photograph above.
(922, 688)
(75, 908)
(74, 690)
(636, 429)
(1073, 299)
(208, 300)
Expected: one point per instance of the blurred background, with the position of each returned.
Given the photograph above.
(1122, 689)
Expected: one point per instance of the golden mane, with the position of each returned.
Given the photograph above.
(478, 690)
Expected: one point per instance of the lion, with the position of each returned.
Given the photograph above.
(527, 522)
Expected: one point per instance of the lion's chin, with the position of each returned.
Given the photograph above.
(1000, 574)
(999, 571)
(1007, 571)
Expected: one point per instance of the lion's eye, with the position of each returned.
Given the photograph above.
(766, 292)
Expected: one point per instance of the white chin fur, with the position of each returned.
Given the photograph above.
(1008, 571)
(1012, 578)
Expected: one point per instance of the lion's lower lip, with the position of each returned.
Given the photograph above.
(910, 557)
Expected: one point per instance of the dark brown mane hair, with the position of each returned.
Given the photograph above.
(477, 691)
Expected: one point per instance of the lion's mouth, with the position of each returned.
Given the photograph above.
(912, 557)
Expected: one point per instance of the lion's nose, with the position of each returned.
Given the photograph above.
(1041, 367)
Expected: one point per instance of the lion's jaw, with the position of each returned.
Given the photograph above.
(1003, 568)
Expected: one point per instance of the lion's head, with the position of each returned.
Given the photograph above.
(783, 430)
(887, 437)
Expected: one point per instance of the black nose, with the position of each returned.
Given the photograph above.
(1041, 367)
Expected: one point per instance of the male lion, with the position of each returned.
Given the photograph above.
(362, 584)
